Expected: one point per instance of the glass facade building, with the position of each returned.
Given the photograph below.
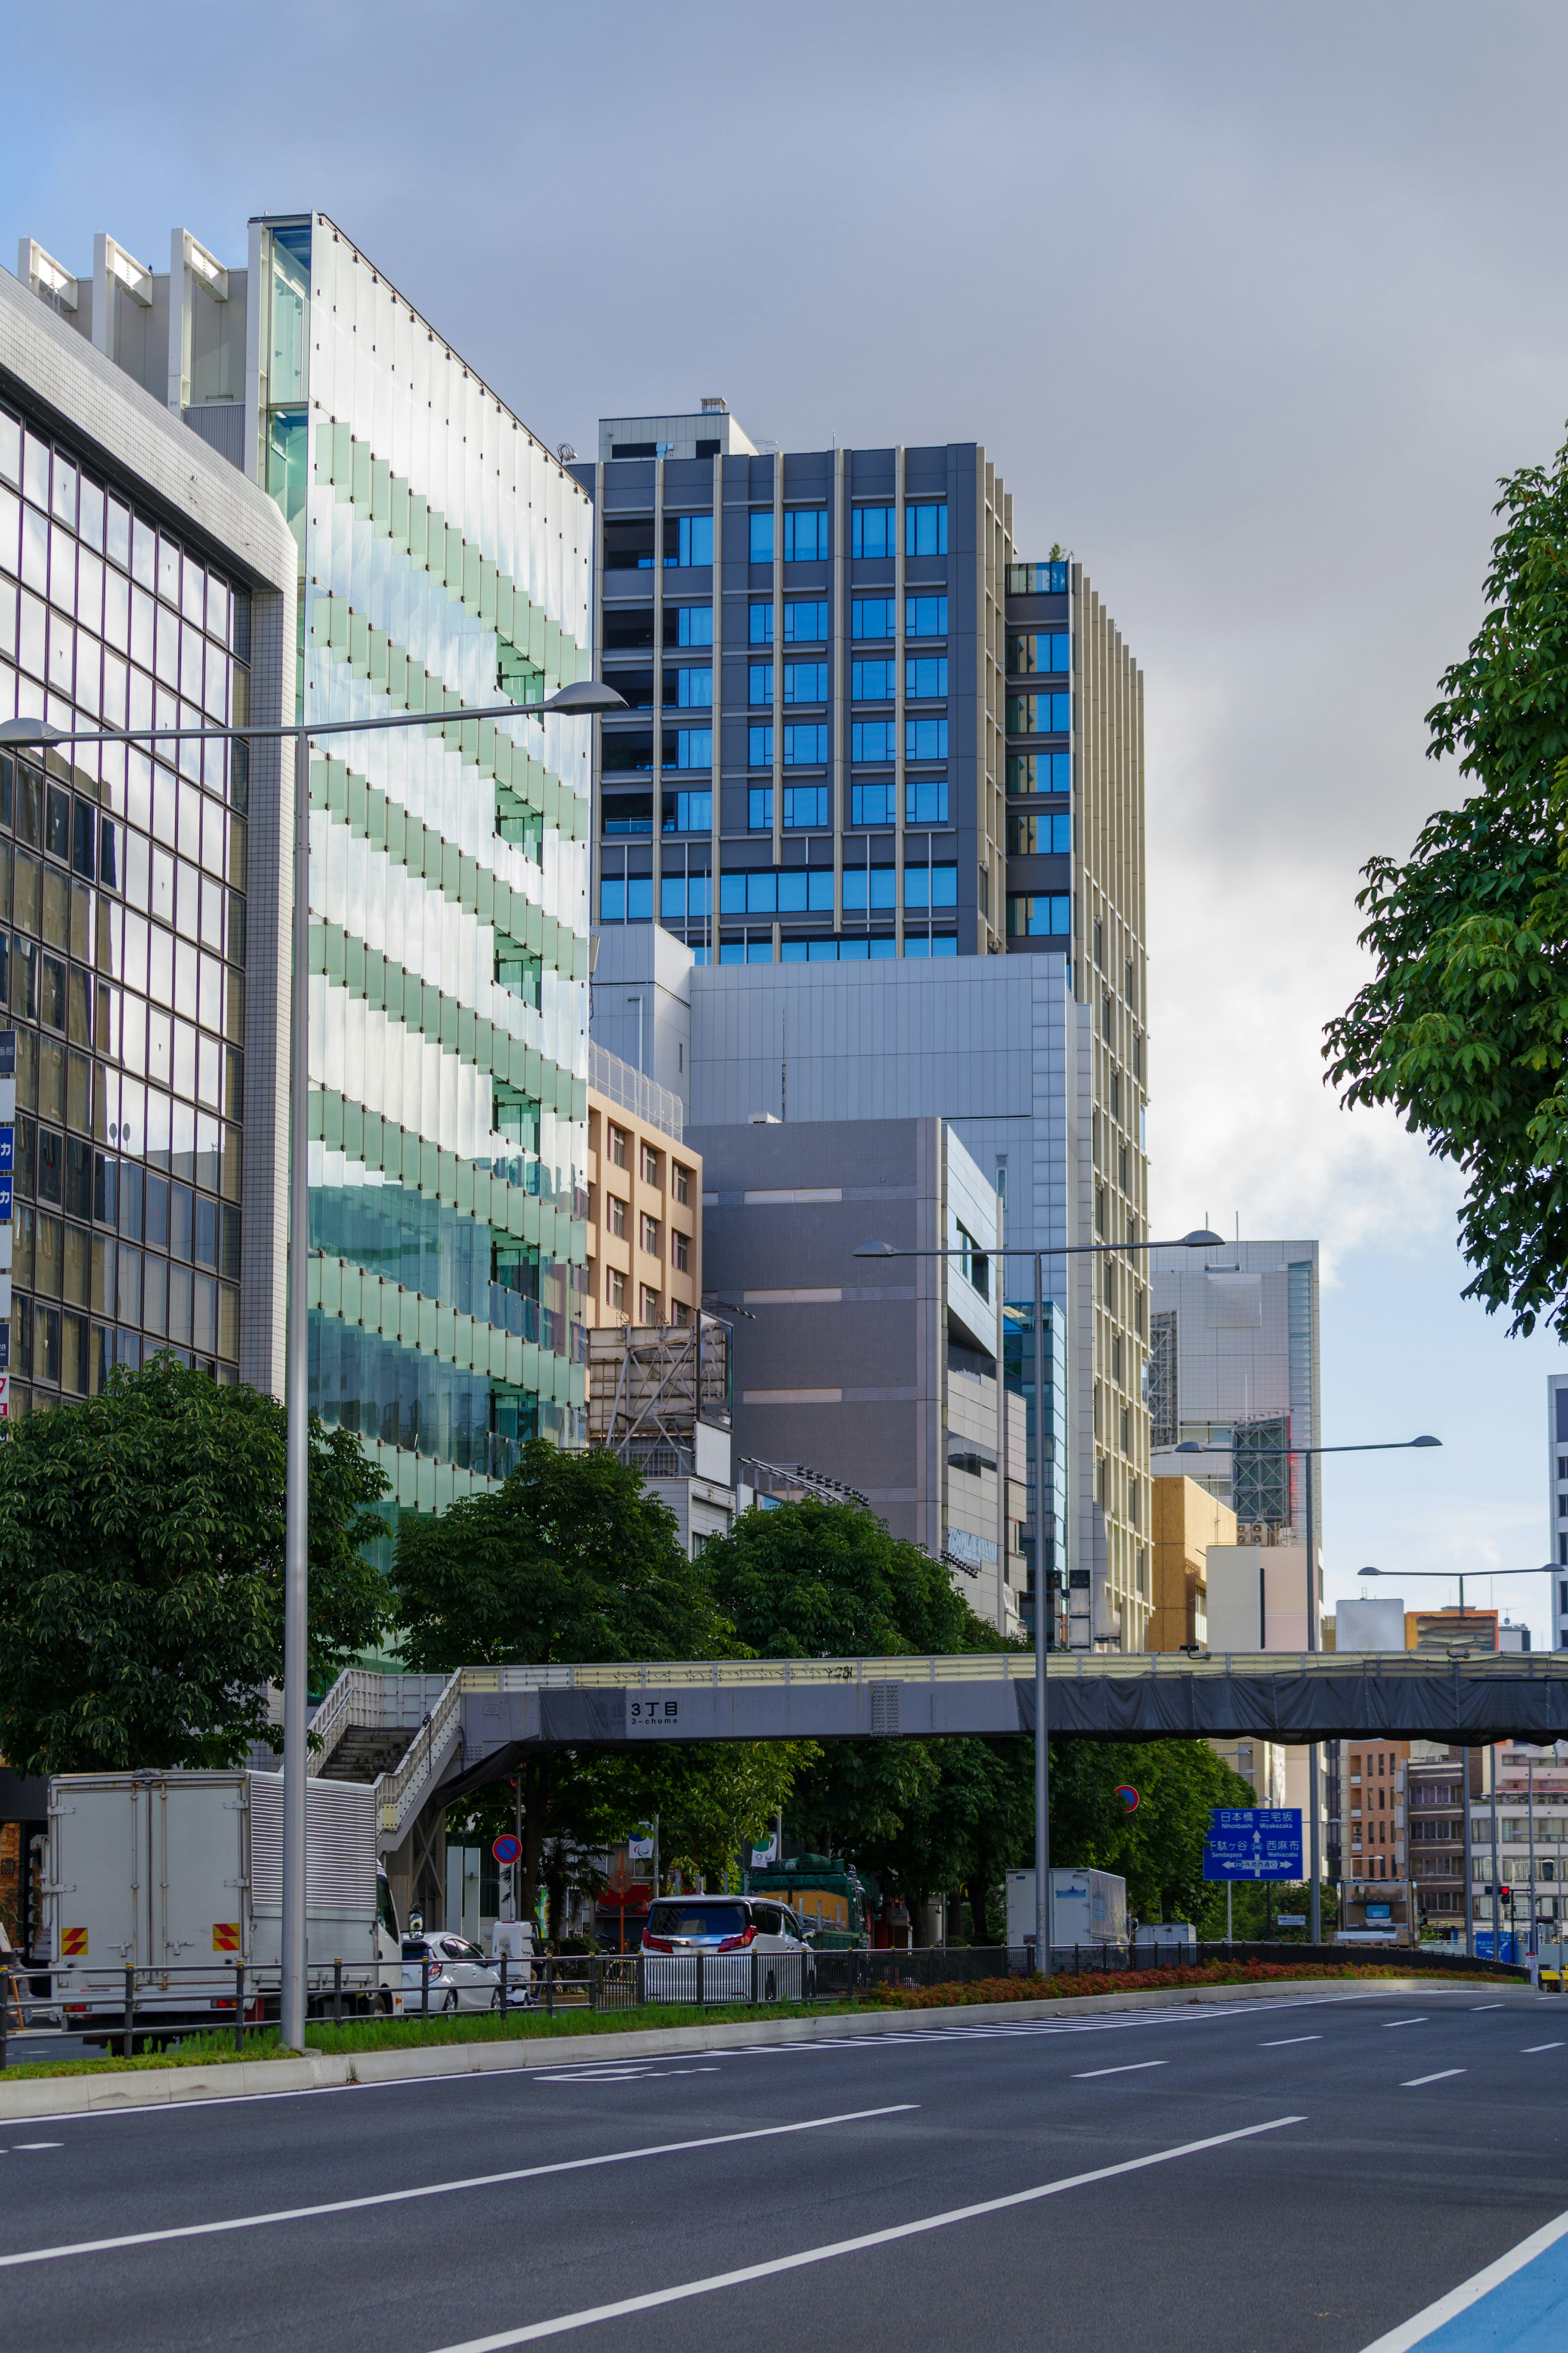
(123, 944)
(444, 560)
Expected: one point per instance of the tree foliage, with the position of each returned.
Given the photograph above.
(1462, 1027)
(142, 1572)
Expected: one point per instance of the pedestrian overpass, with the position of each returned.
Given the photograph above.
(426, 1741)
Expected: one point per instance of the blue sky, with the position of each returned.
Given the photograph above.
(1251, 307)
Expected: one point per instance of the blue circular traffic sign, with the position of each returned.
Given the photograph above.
(507, 1849)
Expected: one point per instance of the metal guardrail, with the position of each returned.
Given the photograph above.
(1004, 1667)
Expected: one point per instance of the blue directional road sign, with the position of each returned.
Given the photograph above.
(1252, 1843)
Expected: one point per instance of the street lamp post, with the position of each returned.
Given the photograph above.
(1200, 1238)
(584, 698)
(1546, 1569)
(1308, 1454)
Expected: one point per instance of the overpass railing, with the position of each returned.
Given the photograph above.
(1010, 1667)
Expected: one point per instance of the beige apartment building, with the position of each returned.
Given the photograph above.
(645, 1201)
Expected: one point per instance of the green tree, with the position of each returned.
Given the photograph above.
(574, 1559)
(1462, 1027)
(142, 1572)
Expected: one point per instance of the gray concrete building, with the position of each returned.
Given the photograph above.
(878, 1372)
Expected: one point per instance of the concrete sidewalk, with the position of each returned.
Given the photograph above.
(59, 2095)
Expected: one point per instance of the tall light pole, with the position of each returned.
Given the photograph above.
(582, 699)
(1309, 1455)
(1546, 1569)
(1201, 1238)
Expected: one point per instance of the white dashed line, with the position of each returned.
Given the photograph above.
(1530, 2047)
(1411, 2082)
(1133, 2067)
(1285, 2042)
(1402, 2021)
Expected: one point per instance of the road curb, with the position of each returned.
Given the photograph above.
(59, 2095)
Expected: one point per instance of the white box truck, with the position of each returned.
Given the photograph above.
(179, 1875)
(1088, 1907)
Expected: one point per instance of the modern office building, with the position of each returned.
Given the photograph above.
(144, 901)
(1233, 1367)
(442, 559)
(1557, 1498)
(1373, 1854)
(878, 1372)
(863, 732)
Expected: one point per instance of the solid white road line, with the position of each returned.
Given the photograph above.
(1411, 2082)
(1529, 2047)
(651, 2303)
(1133, 2067)
(439, 2188)
(1285, 2042)
(1421, 2325)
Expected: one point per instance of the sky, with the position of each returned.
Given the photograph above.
(1251, 307)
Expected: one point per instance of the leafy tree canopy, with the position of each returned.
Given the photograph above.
(1462, 1027)
(142, 1572)
(1158, 1850)
(830, 1580)
(572, 1558)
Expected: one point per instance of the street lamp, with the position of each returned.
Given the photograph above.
(582, 700)
(1546, 1569)
(1307, 1453)
(1200, 1238)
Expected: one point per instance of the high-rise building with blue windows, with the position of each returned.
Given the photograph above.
(443, 563)
(863, 731)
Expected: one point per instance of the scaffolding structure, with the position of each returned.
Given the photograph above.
(650, 1386)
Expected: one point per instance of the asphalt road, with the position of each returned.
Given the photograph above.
(1273, 2178)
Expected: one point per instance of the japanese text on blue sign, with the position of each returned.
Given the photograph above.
(1252, 1843)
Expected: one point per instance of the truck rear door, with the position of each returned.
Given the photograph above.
(200, 1908)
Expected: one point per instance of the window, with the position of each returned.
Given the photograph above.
(680, 1252)
(650, 1311)
(806, 535)
(688, 540)
(805, 624)
(615, 1216)
(760, 687)
(872, 681)
(761, 546)
(975, 1268)
(680, 895)
(1049, 915)
(925, 677)
(805, 891)
(758, 805)
(925, 530)
(753, 893)
(681, 1182)
(804, 747)
(925, 739)
(616, 1289)
(1039, 714)
(650, 1164)
(693, 689)
(1039, 772)
(867, 888)
(693, 626)
(688, 812)
(626, 755)
(872, 616)
(806, 805)
(931, 886)
(759, 747)
(1045, 651)
(805, 682)
(871, 531)
(692, 747)
(1098, 938)
(871, 805)
(615, 1144)
(647, 1235)
(762, 625)
(1036, 579)
(871, 739)
(925, 801)
(626, 901)
(925, 616)
(1039, 833)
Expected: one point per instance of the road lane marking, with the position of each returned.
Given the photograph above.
(1530, 2048)
(1412, 2083)
(646, 2076)
(439, 2188)
(1488, 2005)
(37, 2144)
(1402, 2021)
(1133, 2067)
(1422, 2324)
(559, 2326)
(1285, 2042)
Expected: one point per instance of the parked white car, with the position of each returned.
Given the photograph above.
(460, 1977)
(725, 1949)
